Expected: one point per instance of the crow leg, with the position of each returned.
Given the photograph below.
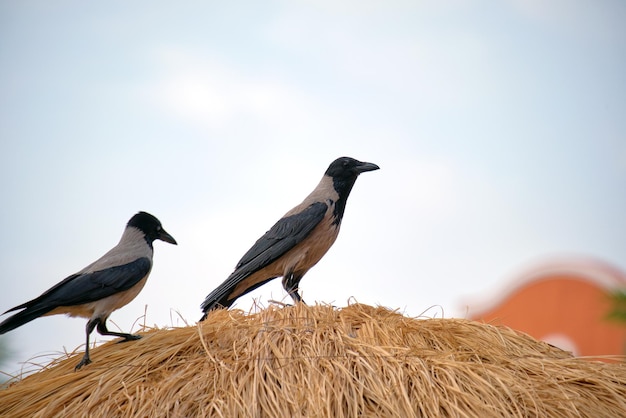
(103, 330)
(290, 284)
(88, 330)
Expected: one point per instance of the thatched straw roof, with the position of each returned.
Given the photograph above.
(323, 361)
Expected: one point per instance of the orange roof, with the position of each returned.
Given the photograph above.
(564, 302)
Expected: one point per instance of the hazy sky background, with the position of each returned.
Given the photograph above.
(499, 127)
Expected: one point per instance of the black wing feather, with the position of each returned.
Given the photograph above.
(282, 237)
(90, 287)
(78, 289)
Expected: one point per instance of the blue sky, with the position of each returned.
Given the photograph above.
(499, 128)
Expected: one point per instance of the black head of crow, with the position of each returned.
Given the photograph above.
(297, 241)
(344, 172)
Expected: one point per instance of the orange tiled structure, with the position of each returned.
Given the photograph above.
(564, 303)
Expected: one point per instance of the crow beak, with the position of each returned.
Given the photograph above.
(363, 167)
(164, 236)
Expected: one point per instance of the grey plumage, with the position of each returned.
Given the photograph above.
(102, 287)
(297, 241)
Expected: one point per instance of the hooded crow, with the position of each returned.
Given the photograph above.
(102, 287)
(297, 241)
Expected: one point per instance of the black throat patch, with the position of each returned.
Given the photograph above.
(343, 187)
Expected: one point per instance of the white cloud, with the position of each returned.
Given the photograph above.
(210, 92)
(429, 67)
